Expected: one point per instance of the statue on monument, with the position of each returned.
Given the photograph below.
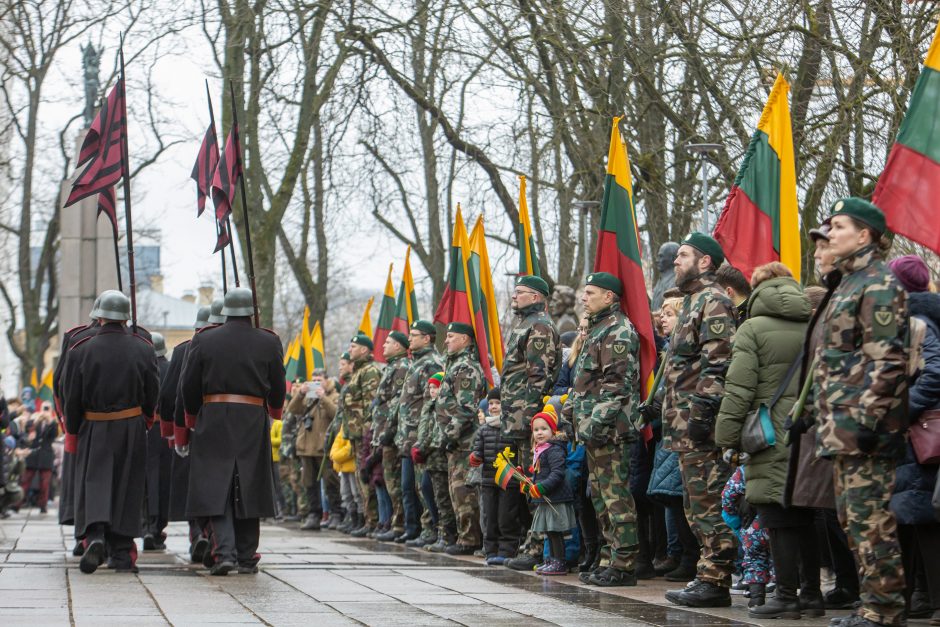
(667, 272)
(91, 62)
(562, 308)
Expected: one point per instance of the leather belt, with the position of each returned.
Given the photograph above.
(233, 398)
(130, 412)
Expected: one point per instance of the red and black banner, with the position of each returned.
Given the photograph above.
(101, 149)
(107, 204)
(226, 176)
(206, 162)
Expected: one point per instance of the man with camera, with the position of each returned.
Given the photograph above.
(316, 403)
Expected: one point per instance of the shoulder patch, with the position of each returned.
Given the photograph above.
(884, 322)
(620, 348)
(717, 327)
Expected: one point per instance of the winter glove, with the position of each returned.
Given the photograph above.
(705, 407)
(535, 491)
(416, 456)
(795, 429)
(735, 458)
(866, 439)
(475, 460)
(731, 520)
(699, 430)
(387, 438)
(182, 451)
(364, 475)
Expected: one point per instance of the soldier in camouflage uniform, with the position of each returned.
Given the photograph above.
(425, 361)
(385, 424)
(603, 407)
(357, 402)
(698, 359)
(429, 452)
(530, 367)
(456, 412)
(861, 404)
(295, 497)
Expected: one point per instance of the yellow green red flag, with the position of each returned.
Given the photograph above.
(480, 264)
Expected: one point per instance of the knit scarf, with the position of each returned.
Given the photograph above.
(539, 449)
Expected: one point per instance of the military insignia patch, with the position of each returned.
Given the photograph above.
(884, 322)
(619, 348)
(717, 327)
(538, 344)
(465, 384)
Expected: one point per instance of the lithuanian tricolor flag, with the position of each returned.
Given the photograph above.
(386, 317)
(528, 260)
(760, 221)
(406, 311)
(44, 393)
(461, 299)
(305, 368)
(292, 360)
(909, 187)
(480, 266)
(316, 346)
(365, 325)
(618, 252)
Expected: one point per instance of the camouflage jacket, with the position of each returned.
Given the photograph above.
(530, 367)
(384, 409)
(357, 397)
(862, 359)
(289, 426)
(698, 359)
(605, 399)
(429, 438)
(414, 395)
(459, 399)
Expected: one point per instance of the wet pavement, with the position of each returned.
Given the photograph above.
(315, 579)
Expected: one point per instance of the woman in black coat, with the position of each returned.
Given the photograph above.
(41, 431)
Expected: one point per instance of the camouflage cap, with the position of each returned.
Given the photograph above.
(861, 210)
(821, 233)
(460, 327)
(606, 281)
(424, 327)
(536, 283)
(362, 340)
(399, 337)
(707, 245)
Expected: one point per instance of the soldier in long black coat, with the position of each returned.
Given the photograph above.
(66, 501)
(232, 380)
(111, 389)
(159, 468)
(171, 412)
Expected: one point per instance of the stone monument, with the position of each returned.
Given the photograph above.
(562, 308)
(86, 249)
(667, 272)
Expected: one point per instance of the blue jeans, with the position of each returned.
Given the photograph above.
(409, 498)
(673, 546)
(385, 504)
(427, 491)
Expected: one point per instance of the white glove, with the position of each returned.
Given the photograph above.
(734, 457)
(182, 451)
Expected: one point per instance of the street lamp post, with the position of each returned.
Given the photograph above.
(703, 151)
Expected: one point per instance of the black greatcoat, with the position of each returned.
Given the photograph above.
(159, 461)
(171, 413)
(111, 371)
(231, 439)
(66, 492)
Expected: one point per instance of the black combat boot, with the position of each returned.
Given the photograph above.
(524, 562)
(611, 577)
(589, 557)
(701, 594)
(755, 594)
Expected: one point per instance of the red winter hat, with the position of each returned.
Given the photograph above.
(911, 272)
(436, 379)
(547, 417)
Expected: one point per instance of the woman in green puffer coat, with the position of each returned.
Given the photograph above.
(765, 347)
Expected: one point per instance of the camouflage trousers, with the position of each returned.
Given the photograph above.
(391, 468)
(608, 469)
(446, 519)
(863, 487)
(295, 497)
(704, 475)
(370, 501)
(464, 499)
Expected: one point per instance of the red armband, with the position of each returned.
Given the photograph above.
(71, 443)
(190, 420)
(166, 429)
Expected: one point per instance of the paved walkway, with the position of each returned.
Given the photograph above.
(313, 579)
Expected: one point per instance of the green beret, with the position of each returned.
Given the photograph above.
(606, 281)
(460, 327)
(400, 337)
(706, 245)
(861, 210)
(536, 283)
(362, 340)
(424, 327)
(346, 356)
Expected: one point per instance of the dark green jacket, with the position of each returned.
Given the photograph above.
(764, 347)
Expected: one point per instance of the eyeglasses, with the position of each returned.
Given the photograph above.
(518, 292)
